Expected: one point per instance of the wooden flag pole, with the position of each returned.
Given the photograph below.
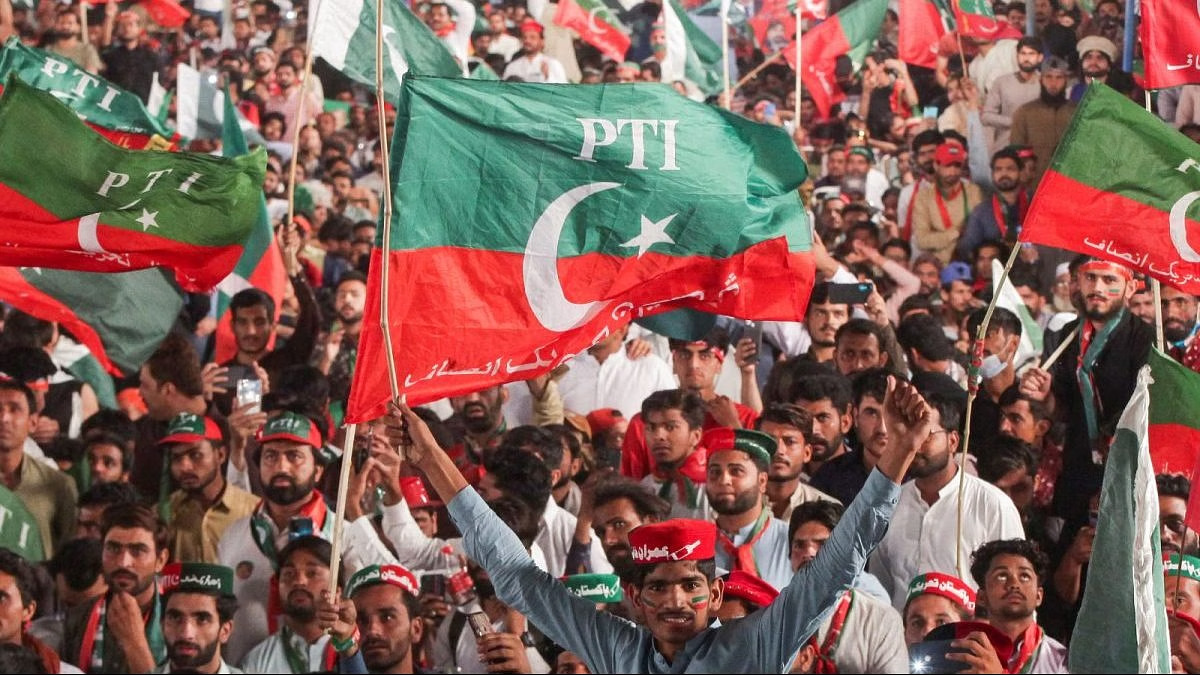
(335, 556)
(972, 392)
(83, 22)
(725, 54)
(758, 69)
(799, 37)
(386, 208)
(1155, 284)
(304, 85)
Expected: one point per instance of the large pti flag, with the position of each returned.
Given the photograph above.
(922, 24)
(1123, 619)
(531, 221)
(596, 24)
(117, 114)
(1123, 187)
(121, 318)
(90, 205)
(343, 33)
(1175, 420)
(1171, 42)
(851, 31)
(977, 19)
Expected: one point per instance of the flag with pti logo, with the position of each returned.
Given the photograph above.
(851, 31)
(1123, 187)
(531, 221)
(90, 205)
(596, 24)
(1170, 32)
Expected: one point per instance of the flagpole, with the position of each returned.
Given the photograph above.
(799, 37)
(973, 381)
(386, 208)
(725, 54)
(1155, 284)
(758, 69)
(304, 84)
(83, 21)
(335, 556)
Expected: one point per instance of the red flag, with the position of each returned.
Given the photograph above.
(822, 45)
(975, 18)
(921, 27)
(166, 13)
(1171, 42)
(596, 26)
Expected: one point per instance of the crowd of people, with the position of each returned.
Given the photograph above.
(774, 496)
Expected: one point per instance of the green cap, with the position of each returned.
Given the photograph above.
(864, 151)
(1185, 566)
(595, 587)
(758, 445)
(289, 426)
(190, 428)
(392, 575)
(196, 578)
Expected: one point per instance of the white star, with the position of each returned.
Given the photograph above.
(148, 219)
(652, 233)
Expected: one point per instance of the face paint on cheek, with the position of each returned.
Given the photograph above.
(649, 603)
(1114, 292)
(699, 602)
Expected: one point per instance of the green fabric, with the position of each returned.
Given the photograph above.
(1084, 375)
(599, 588)
(860, 23)
(77, 178)
(185, 423)
(92, 97)
(493, 140)
(1122, 619)
(1184, 566)
(702, 61)
(1175, 392)
(202, 578)
(19, 531)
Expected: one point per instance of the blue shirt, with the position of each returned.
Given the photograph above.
(765, 641)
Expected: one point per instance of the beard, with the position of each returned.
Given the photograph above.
(742, 502)
(930, 466)
(1028, 67)
(1175, 330)
(478, 424)
(190, 663)
(1006, 184)
(1053, 100)
(137, 587)
(289, 493)
(390, 659)
(1103, 315)
(823, 450)
(297, 611)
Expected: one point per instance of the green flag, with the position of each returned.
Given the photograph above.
(691, 55)
(19, 530)
(90, 205)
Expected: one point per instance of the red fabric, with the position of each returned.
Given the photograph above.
(636, 461)
(415, 494)
(166, 13)
(1170, 34)
(603, 419)
(49, 657)
(608, 39)
(920, 29)
(19, 293)
(672, 541)
(750, 588)
(693, 469)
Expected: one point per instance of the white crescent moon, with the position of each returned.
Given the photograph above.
(596, 29)
(1178, 223)
(89, 240)
(543, 289)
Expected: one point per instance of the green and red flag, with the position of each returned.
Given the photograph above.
(93, 206)
(1122, 618)
(531, 221)
(261, 265)
(121, 318)
(1174, 417)
(19, 530)
(977, 19)
(1170, 34)
(596, 24)
(922, 24)
(343, 33)
(851, 31)
(1122, 187)
(691, 55)
(117, 114)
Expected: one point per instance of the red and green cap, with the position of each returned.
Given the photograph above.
(599, 588)
(190, 428)
(1176, 565)
(756, 444)
(290, 426)
(196, 578)
(374, 575)
(948, 586)
(673, 541)
(752, 589)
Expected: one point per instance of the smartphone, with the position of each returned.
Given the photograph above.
(480, 624)
(753, 330)
(433, 583)
(930, 112)
(249, 392)
(930, 657)
(362, 449)
(849, 294)
(769, 110)
(300, 527)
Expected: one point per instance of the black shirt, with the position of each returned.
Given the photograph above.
(131, 69)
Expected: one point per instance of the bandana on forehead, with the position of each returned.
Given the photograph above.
(950, 587)
(392, 575)
(1105, 266)
(599, 588)
(1183, 566)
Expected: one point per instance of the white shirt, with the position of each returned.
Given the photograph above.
(420, 553)
(505, 45)
(458, 40)
(465, 658)
(921, 537)
(252, 581)
(556, 532)
(872, 639)
(538, 68)
(619, 382)
(269, 656)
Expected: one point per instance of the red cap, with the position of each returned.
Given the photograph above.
(948, 586)
(961, 629)
(950, 152)
(415, 494)
(603, 419)
(189, 428)
(531, 25)
(675, 540)
(1187, 619)
(750, 588)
